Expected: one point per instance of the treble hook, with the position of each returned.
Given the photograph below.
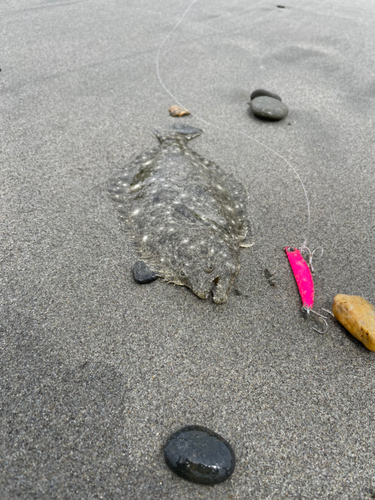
(323, 318)
(304, 248)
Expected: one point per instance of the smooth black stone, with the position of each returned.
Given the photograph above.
(268, 108)
(199, 455)
(142, 273)
(261, 92)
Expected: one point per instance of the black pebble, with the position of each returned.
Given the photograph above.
(199, 455)
(142, 273)
(268, 108)
(261, 92)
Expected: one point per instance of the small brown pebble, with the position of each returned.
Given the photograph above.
(357, 316)
(178, 111)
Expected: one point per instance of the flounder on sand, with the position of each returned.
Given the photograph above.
(186, 216)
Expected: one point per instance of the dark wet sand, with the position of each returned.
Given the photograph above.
(96, 370)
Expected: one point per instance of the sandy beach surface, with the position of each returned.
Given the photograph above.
(97, 371)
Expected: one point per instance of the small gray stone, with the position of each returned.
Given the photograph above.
(268, 108)
(262, 92)
(142, 273)
(199, 455)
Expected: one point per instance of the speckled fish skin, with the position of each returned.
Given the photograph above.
(186, 217)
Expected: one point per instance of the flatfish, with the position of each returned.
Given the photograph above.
(186, 216)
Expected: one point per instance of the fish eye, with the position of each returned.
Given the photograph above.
(182, 274)
(209, 269)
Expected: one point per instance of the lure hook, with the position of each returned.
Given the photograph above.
(320, 316)
(304, 248)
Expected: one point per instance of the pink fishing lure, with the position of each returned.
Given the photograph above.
(303, 277)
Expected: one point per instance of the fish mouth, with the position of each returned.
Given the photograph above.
(201, 295)
(217, 288)
(219, 295)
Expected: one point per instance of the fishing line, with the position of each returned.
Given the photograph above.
(202, 120)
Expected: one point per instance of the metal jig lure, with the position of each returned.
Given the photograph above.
(303, 275)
